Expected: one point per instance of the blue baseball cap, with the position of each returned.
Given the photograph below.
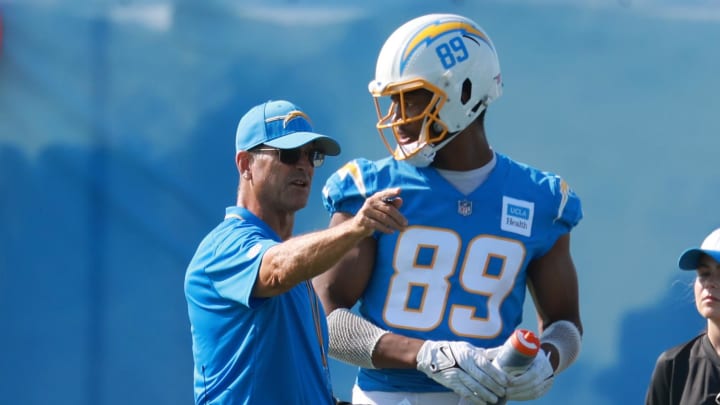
(710, 246)
(280, 124)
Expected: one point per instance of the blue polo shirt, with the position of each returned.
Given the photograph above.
(252, 350)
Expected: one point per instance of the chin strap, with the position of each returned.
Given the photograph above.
(425, 156)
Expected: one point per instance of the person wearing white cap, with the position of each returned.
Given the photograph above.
(258, 330)
(690, 373)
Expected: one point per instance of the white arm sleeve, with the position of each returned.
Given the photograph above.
(566, 338)
(352, 338)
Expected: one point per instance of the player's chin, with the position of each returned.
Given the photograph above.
(298, 200)
(710, 310)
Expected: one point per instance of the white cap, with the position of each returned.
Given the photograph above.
(710, 246)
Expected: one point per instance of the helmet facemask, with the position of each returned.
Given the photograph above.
(391, 103)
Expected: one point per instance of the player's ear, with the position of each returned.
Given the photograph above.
(243, 159)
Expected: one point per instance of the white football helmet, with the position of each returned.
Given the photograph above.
(447, 54)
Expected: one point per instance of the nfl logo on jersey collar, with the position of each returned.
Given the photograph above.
(517, 216)
(464, 207)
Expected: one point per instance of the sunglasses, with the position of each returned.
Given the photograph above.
(292, 156)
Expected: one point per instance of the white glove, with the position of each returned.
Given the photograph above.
(463, 368)
(533, 383)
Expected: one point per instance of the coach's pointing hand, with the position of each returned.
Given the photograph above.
(380, 212)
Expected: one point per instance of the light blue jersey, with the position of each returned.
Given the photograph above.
(246, 350)
(458, 272)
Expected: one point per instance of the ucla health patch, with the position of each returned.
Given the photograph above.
(517, 216)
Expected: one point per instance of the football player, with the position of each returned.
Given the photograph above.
(437, 299)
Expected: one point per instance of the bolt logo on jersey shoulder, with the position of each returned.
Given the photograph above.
(565, 192)
(437, 30)
(353, 170)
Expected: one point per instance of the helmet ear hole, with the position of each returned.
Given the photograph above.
(467, 95)
(466, 91)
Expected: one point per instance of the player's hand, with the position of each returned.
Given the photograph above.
(463, 368)
(533, 383)
(380, 212)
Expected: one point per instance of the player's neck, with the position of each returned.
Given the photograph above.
(280, 221)
(469, 150)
